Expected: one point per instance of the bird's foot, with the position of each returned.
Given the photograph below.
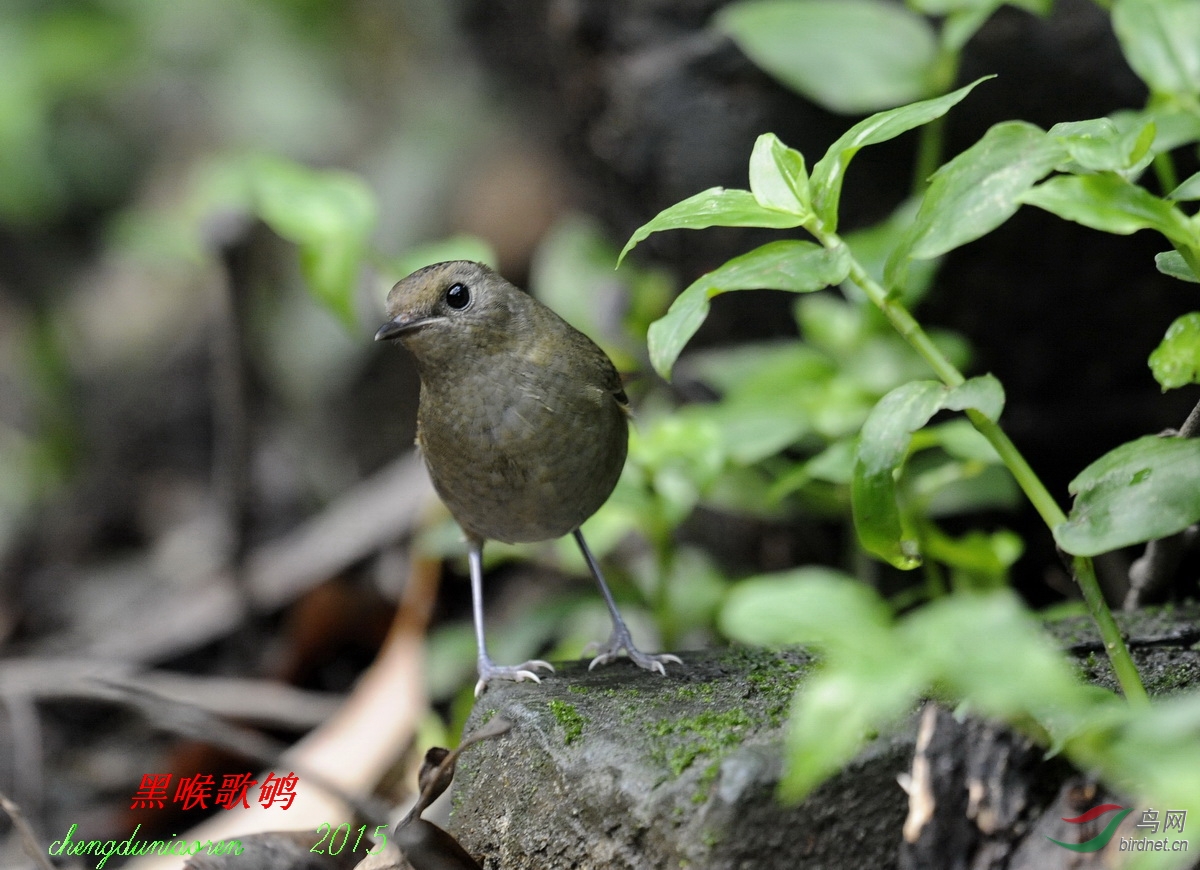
(489, 671)
(620, 641)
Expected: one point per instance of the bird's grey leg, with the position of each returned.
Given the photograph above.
(619, 639)
(489, 670)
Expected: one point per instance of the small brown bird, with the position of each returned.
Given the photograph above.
(522, 421)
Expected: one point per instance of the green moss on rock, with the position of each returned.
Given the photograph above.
(569, 719)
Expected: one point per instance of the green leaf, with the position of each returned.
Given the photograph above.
(941, 486)
(964, 17)
(1172, 263)
(753, 428)
(769, 402)
(680, 456)
(1154, 751)
(778, 178)
(870, 680)
(883, 447)
(726, 368)
(947, 7)
(985, 649)
(715, 207)
(834, 464)
(836, 713)
(976, 192)
(786, 265)
(849, 56)
(572, 272)
(830, 171)
(329, 214)
(1176, 361)
(1101, 144)
(832, 324)
(1161, 41)
(962, 24)
(988, 648)
(960, 440)
(306, 206)
(1189, 190)
(977, 560)
(1112, 204)
(1175, 126)
(809, 605)
(1141, 491)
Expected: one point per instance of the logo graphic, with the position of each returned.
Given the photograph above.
(1098, 842)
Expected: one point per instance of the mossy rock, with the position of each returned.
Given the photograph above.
(621, 768)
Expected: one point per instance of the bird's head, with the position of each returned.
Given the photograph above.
(447, 307)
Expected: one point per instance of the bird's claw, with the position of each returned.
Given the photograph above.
(515, 673)
(620, 641)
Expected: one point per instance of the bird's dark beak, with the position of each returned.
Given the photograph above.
(391, 329)
(397, 326)
(405, 321)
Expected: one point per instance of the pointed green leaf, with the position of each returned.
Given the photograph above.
(883, 446)
(1176, 361)
(1161, 41)
(778, 178)
(977, 191)
(1175, 126)
(1112, 204)
(849, 56)
(1141, 491)
(329, 214)
(715, 207)
(1139, 141)
(786, 265)
(1172, 263)
(830, 171)
(1187, 191)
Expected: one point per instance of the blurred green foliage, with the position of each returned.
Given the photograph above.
(138, 137)
(978, 647)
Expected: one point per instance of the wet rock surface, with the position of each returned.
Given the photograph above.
(625, 769)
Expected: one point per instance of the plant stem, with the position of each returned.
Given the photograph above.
(1191, 426)
(932, 136)
(929, 154)
(898, 316)
(1041, 499)
(1164, 168)
(1118, 653)
(1044, 503)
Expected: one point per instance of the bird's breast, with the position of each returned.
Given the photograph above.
(521, 454)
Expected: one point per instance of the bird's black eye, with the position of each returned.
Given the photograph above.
(458, 296)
